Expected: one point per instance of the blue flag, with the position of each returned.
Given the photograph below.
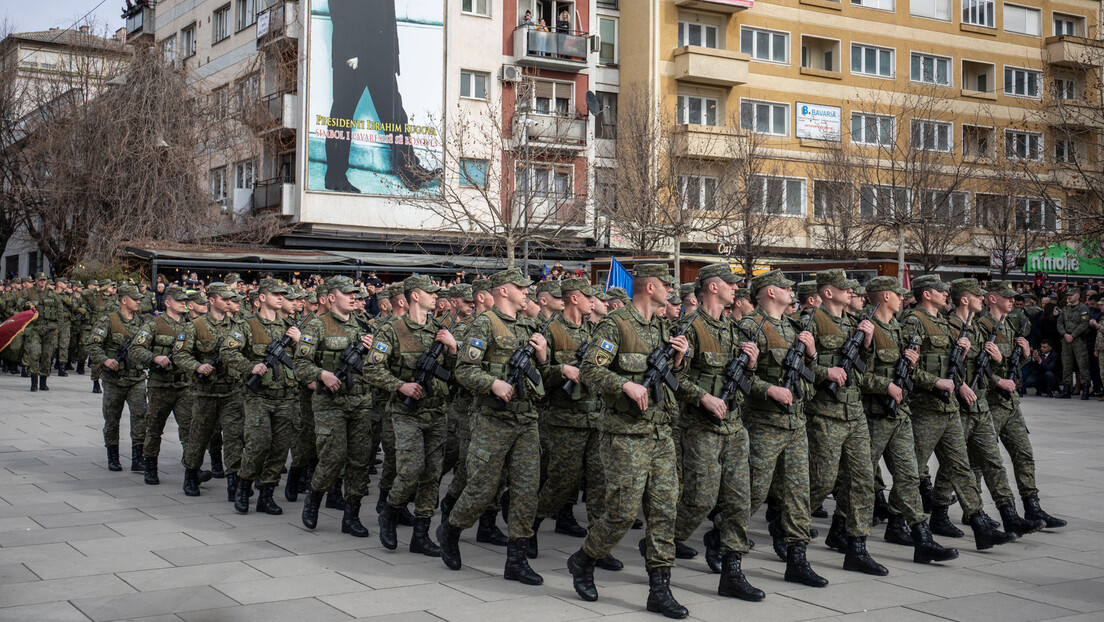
(619, 277)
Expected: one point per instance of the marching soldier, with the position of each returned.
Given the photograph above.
(41, 342)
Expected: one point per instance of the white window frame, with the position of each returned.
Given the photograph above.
(1027, 10)
(1048, 207)
(557, 85)
(753, 33)
(188, 41)
(702, 201)
(979, 13)
(1011, 92)
(615, 43)
(1012, 138)
(935, 59)
(684, 34)
(220, 24)
(992, 140)
(866, 117)
(468, 77)
(753, 123)
(875, 4)
(823, 211)
(219, 185)
(245, 171)
(914, 7)
(802, 200)
(882, 192)
(247, 13)
(864, 70)
(837, 58)
(1065, 88)
(682, 109)
(474, 10)
(168, 48)
(927, 128)
(1066, 151)
(930, 196)
(1077, 21)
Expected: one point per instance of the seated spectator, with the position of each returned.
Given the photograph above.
(1041, 372)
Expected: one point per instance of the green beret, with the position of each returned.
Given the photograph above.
(420, 281)
(512, 275)
(773, 277)
(719, 270)
(658, 270)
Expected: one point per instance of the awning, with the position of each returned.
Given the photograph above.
(416, 260)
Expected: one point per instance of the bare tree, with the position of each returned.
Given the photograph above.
(836, 229)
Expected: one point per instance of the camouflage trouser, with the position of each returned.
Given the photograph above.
(343, 435)
(783, 455)
(114, 397)
(215, 444)
(14, 351)
(840, 448)
(573, 452)
(40, 344)
(984, 455)
(419, 451)
(891, 438)
(387, 440)
(451, 457)
(463, 440)
(162, 401)
(304, 448)
(941, 433)
(78, 350)
(1078, 352)
(1012, 430)
(208, 413)
(96, 368)
(716, 474)
(269, 427)
(640, 470)
(64, 331)
(499, 445)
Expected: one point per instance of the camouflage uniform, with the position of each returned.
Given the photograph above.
(163, 336)
(98, 306)
(64, 327)
(127, 386)
(40, 342)
(1075, 356)
(459, 421)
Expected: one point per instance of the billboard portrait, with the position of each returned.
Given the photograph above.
(375, 92)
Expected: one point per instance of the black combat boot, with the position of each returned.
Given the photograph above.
(660, 599)
(241, 496)
(1014, 523)
(713, 558)
(1084, 391)
(151, 471)
(531, 547)
(447, 503)
(820, 512)
(350, 521)
(778, 539)
(581, 567)
(218, 471)
(25, 372)
(387, 535)
(68, 366)
(837, 534)
(1063, 392)
(191, 482)
(449, 537)
(42, 384)
(926, 490)
(774, 510)
(310, 509)
(421, 542)
(291, 486)
(897, 531)
(609, 562)
(96, 387)
(61, 370)
(881, 507)
(265, 503)
(733, 581)
(305, 479)
(488, 532)
(404, 517)
(941, 523)
(638, 524)
(859, 560)
(926, 549)
(517, 564)
(567, 525)
(231, 487)
(382, 501)
(113, 458)
(986, 537)
(1034, 511)
(34, 383)
(80, 368)
(682, 551)
(798, 569)
(334, 500)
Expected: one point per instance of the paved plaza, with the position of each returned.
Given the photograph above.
(78, 542)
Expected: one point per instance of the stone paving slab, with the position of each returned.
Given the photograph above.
(78, 542)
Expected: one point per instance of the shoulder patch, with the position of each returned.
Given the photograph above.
(181, 337)
(607, 346)
(101, 332)
(237, 335)
(142, 338)
(478, 343)
(382, 347)
(307, 339)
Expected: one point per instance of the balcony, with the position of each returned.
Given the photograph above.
(548, 211)
(558, 132)
(727, 7)
(273, 193)
(1069, 51)
(279, 23)
(1077, 113)
(708, 142)
(558, 51)
(710, 66)
(139, 22)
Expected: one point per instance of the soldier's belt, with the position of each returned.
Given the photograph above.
(511, 407)
(173, 378)
(273, 394)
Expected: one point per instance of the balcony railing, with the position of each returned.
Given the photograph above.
(271, 193)
(139, 21)
(279, 21)
(564, 50)
(1070, 51)
(559, 131)
(547, 210)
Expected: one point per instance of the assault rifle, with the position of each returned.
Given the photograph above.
(735, 380)
(957, 363)
(521, 366)
(794, 369)
(1017, 358)
(850, 353)
(122, 357)
(902, 372)
(352, 359)
(276, 354)
(426, 368)
(215, 360)
(984, 360)
(568, 386)
(659, 364)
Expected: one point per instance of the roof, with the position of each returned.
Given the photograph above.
(70, 38)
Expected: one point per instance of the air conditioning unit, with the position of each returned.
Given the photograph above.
(510, 73)
(595, 43)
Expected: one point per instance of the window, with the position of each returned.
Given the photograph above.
(691, 33)
(220, 28)
(979, 13)
(931, 135)
(248, 91)
(697, 110)
(247, 13)
(1036, 214)
(883, 5)
(817, 53)
(946, 207)
(977, 141)
(989, 209)
(1065, 88)
(218, 185)
(188, 41)
(870, 60)
(698, 193)
(832, 197)
(766, 45)
(606, 120)
(932, 9)
(877, 201)
(168, 48)
(979, 77)
(244, 174)
(473, 173)
(1023, 145)
(476, 7)
(782, 195)
(1065, 151)
(607, 4)
(1071, 25)
(552, 97)
(1021, 82)
(607, 37)
(931, 69)
(1023, 20)
(220, 100)
(473, 84)
(545, 182)
(872, 129)
(765, 117)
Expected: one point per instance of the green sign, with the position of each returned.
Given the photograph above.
(1061, 259)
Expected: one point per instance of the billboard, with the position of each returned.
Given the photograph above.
(375, 96)
(818, 122)
(1061, 259)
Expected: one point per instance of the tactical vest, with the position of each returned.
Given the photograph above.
(404, 366)
(886, 354)
(935, 347)
(164, 339)
(632, 362)
(260, 341)
(829, 339)
(205, 350)
(497, 363)
(563, 349)
(47, 305)
(708, 364)
(119, 334)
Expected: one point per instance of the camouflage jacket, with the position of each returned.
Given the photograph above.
(713, 343)
(1006, 343)
(830, 333)
(580, 409)
(936, 342)
(201, 343)
(774, 342)
(881, 365)
(48, 303)
(108, 333)
(396, 347)
(161, 336)
(1074, 320)
(483, 358)
(245, 348)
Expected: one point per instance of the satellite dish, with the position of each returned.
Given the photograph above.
(592, 103)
